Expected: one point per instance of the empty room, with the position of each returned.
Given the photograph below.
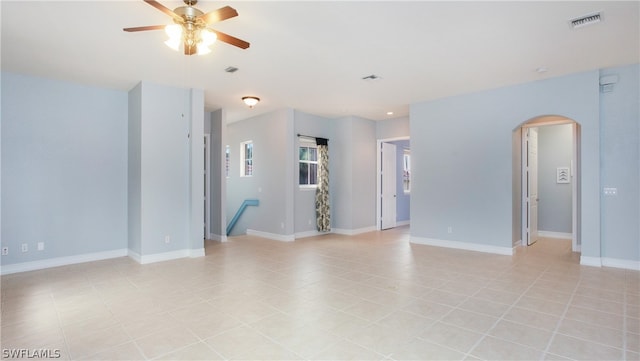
(320, 180)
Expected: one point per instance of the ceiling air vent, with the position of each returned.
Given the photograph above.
(585, 20)
(371, 77)
(231, 69)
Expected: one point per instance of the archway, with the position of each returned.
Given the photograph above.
(566, 175)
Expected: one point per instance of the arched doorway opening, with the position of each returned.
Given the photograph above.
(546, 201)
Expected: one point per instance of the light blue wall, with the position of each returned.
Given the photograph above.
(64, 168)
(392, 128)
(353, 179)
(272, 180)
(165, 169)
(462, 158)
(314, 126)
(216, 125)
(620, 117)
(555, 149)
(134, 177)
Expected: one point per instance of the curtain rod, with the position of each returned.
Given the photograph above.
(309, 136)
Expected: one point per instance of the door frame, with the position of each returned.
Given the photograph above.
(379, 174)
(207, 185)
(574, 171)
(526, 187)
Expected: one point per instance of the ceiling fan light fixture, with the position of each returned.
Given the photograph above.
(174, 31)
(207, 37)
(173, 43)
(250, 101)
(203, 49)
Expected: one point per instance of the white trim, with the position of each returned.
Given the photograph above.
(207, 183)
(508, 251)
(621, 263)
(273, 236)
(610, 262)
(217, 237)
(61, 261)
(166, 256)
(403, 223)
(306, 234)
(379, 173)
(560, 235)
(195, 253)
(591, 261)
(353, 232)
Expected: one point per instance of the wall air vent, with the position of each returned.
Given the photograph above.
(585, 20)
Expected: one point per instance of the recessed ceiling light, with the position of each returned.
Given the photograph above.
(542, 69)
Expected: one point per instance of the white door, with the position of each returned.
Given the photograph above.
(388, 181)
(532, 185)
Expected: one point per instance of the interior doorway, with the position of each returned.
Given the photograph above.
(393, 183)
(548, 180)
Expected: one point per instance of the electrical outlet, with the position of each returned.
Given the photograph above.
(40, 246)
(167, 239)
(449, 229)
(5, 251)
(25, 247)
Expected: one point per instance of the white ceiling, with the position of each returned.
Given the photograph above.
(312, 55)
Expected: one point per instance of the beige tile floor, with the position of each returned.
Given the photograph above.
(369, 297)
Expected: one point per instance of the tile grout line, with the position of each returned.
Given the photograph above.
(486, 333)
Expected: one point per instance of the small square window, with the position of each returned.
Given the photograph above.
(246, 159)
(308, 160)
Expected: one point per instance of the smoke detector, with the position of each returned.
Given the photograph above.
(586, 20)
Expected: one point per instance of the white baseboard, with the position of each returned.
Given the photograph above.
(353, 232)
(403, 223)
(273, 236)
(309, 234)
(550, 234)
(166, 256)
(61, 261)
(508, 251)
(195, 253)
(217, 237)
(591, 261)
(621, 263)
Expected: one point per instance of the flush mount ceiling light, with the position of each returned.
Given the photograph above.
(250, 101)
(190, 33)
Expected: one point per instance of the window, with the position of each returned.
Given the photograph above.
(246, 159)
(227, 157)
(406, 171)
(308, 158)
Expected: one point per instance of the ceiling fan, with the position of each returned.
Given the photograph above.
(190, 30)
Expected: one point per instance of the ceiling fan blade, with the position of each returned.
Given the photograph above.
(163, 8)
(145, 28)
(231, 40)
(221, 14)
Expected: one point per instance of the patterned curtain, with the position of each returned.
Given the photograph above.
(323, 214)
